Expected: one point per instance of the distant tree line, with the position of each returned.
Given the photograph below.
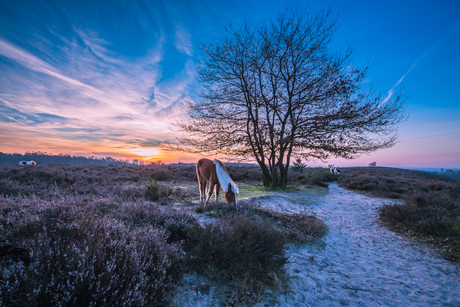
(451, 173)
(47, 158)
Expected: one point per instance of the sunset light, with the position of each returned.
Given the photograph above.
(145, 153)
(76, 85)
(229, 153)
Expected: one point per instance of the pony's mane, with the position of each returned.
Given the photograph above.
(224, 177)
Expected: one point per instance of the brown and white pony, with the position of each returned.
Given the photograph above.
(215, 174)
(27, 163)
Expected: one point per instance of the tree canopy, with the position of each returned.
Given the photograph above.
(278, 90)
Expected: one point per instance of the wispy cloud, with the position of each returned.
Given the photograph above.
(13, 119)
(32, 62)
(183, 40)
(426, 53)
(430, 135)
(89, 93)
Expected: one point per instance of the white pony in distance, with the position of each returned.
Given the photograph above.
(334, 170)
(27, 163)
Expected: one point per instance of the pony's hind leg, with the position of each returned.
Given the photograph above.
(210, 188)
(202, 186)
(217, 192)
(201, 183)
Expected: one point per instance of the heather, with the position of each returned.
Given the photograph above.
(127, 235)
(61, 253)
(311, 176)
(430, 208)
(242, 256)
(89, 236)
(245, 253)
(295, 227)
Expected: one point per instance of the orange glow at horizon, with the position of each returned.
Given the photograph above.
(145, 153)
(53, 145)
(15, 140)
(155, 154)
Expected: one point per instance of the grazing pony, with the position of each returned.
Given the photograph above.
(215, 174)
(27, 163)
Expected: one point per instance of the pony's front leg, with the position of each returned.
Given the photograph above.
(211, 187)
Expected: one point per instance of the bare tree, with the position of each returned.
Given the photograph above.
(277, 89)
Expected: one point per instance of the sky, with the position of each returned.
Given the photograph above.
(107, 78)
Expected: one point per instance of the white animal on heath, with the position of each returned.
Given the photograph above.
(334, 170)
(27, 163)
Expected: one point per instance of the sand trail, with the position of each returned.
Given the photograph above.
(361, 263)
(358, 262)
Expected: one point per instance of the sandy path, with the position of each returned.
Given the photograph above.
(361, 263)
(358, 262)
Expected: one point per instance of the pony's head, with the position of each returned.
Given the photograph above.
(230, 196)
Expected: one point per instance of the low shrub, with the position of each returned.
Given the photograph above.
(62, 255)
(161, 174)
(154, 191)
(244, 173)
(175, 223)
(98, 180)
(237, 252)
(297, 227)
(425, 214)
(312, 176)
(397, 183)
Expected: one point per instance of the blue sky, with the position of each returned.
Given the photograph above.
(105, 78)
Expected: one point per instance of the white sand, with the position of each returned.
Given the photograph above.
(358, 262)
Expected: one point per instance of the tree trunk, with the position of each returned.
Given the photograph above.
(270, 176)
(266, 176)
(283, 168)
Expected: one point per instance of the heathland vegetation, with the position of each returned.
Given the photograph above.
(430, 208)
(126, 235)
